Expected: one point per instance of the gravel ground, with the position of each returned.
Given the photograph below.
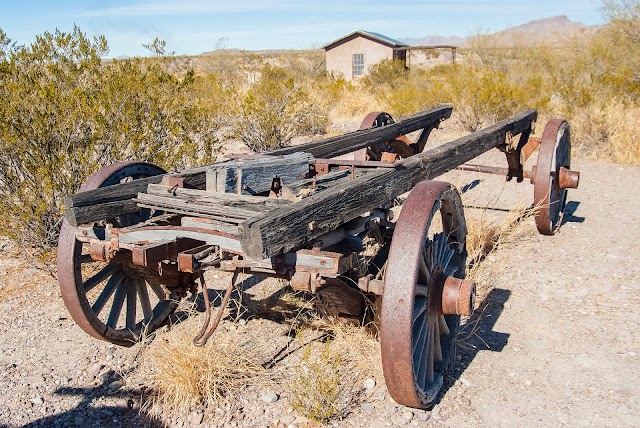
(555, 343)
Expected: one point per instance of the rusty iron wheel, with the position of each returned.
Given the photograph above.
(549, 198)
(95, 292)
(401, 145)
(417, 339)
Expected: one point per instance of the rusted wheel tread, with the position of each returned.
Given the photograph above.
(72, 286)
(549, 199)
(412, 243)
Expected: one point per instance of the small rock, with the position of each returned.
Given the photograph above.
(287, 419)
(435, 412)
(424, 416)
(242, 321)
(270, 397)
(107, 413)
(399, 420)
(292, 426)
(38, 401)
(95, 368)
(196, 418)
(527, 382)
(367, 406)
(258, 412)
(407, 415)
(379, 423)
(369, 383)
(115, 385)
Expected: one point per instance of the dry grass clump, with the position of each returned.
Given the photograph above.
(484, 237)
(608, 133)
(179, 376)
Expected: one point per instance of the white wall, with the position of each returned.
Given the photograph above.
(339, 58)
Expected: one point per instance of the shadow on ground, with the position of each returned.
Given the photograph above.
(477, 334)
(87, 413)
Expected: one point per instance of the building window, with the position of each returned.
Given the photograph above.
(358, 65)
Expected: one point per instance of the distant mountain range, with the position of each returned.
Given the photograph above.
(550, 31)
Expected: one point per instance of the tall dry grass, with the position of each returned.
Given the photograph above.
(178, 377)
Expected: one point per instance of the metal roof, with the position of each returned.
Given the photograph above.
(370, 35)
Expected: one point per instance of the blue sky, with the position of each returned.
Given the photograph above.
(195, 26)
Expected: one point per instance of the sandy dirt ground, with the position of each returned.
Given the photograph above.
(556, 342)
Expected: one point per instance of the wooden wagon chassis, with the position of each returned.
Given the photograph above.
(146, 231)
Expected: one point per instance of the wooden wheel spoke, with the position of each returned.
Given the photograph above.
(85, 258)
(424, 371)
(424, 276)
(131, 304)
(157, 289)
(419, 308)
(100, 276)
(451, 269)
(116, 308)
(144, 300)
(419, 333)
(419, 353)
(446, 259)
(107, 292)
(437, 348)
(429, 351)
(442, 325)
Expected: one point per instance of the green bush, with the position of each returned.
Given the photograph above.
(387, 72)
(480, 95)
(274, 110)
(65, 113)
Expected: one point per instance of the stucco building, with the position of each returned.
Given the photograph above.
(352, 55)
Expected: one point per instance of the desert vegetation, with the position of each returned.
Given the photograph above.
(66, 112)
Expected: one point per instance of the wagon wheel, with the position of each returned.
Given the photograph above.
(95, 292)
(400, 146)
(424, 294)
(552, 176)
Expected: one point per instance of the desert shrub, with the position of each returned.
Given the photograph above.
(315, 392)
(65, 113)
(480, 95)
(386, 72)
(275, 110)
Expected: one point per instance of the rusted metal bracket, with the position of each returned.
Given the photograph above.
(149, 255)
(192, 260)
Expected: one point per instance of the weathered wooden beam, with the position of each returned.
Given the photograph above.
(230, 199)
(339, 145)
(107, 202)
(195, 178)
(292, 227)
(211, 210)
(255, 176)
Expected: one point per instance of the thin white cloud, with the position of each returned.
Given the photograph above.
(192, 7)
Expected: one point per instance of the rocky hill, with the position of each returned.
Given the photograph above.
(555, 31)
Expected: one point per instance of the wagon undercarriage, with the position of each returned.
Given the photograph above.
(136, 240)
